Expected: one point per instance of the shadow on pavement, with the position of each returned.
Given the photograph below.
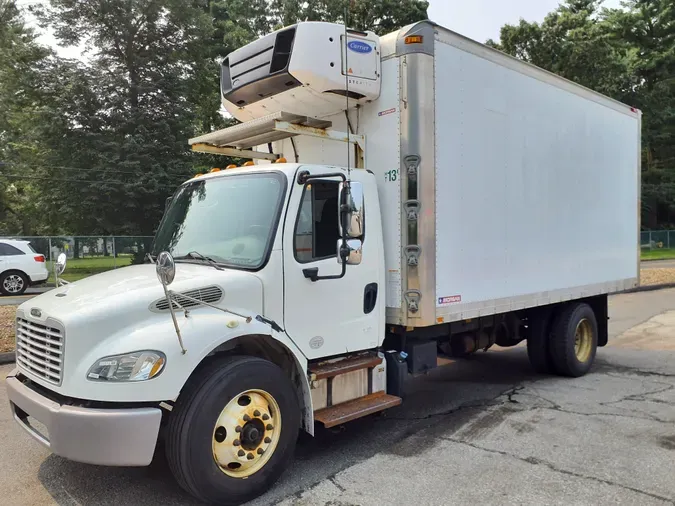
(444, 399)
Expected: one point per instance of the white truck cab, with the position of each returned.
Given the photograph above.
(441, 199)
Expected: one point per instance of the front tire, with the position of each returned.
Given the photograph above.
(13, 283)
(233, 430)
(574, 340)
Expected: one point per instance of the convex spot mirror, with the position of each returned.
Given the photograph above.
(60, 265)
(351, 210)
(352, 252)
(165, 268)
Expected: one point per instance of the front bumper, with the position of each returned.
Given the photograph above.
(111, 437)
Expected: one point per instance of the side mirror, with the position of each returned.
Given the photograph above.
(60, 264)
(165, 268)
(352, 253)
(351, 210)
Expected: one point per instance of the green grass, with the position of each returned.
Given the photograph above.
(658, 254)
(84, 267)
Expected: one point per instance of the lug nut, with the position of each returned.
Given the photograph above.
(236, 442)
(237, 428)
(268, 440)
(247, 418)
(269, 426)
(250, 456)
(260, 451)
(256, 413)
(241, 453)
(266, 416)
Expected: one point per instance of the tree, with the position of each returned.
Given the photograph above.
(119, 123)
(381, 17)
(21, 61)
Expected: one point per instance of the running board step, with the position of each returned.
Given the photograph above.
(357, 408)
(344, 366)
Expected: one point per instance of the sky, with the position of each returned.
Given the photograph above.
(477, 19)
(482, 19)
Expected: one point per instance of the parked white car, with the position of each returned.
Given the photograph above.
(20, 267)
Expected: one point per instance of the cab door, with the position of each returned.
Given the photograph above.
(330, 317)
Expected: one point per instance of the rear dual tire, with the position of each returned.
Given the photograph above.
(568, 346)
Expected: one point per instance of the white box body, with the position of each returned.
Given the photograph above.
(528, 184)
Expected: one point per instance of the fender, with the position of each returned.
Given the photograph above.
(205, 332)
(262, 339)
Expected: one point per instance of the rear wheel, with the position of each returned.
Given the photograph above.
(13, 283)
(574, 340)
(538, 344)
(233, 430)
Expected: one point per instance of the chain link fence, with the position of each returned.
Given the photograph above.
(88, 255)
(657, 239)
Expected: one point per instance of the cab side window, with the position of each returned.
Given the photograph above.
(317, 229)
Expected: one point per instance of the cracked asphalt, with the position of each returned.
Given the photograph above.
(483, 431)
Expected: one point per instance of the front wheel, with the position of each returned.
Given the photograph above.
(574, 340)
(233, 430)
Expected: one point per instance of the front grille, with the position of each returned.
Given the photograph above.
(210, 294)
(39, 350)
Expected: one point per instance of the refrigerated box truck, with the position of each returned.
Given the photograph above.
(409, 198)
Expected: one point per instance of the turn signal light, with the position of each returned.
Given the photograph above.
(248, 164)
(215, 170)
(281, 160)
(231, 166)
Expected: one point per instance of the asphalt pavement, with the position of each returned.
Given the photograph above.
(658, 264)
(483, 431)
(15, 300)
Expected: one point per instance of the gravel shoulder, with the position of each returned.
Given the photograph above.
(7, 328)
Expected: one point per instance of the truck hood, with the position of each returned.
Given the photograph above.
(134, 290)
(118, 312)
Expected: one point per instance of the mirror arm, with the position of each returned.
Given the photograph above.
(313, 273)
(167, 294)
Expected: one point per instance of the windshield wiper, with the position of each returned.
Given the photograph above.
(198, 256)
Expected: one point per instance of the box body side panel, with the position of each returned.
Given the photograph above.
(536, 190)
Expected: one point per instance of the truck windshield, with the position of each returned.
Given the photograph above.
(229, 219)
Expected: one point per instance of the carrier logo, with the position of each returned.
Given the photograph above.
(359, 47)
(36, 312)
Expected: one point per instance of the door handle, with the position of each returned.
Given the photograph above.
(369, 298)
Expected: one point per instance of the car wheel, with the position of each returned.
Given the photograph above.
(13, 283)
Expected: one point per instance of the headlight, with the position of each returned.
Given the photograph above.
(136, 366)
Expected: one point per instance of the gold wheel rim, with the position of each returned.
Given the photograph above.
(246, 433)
(583, 340)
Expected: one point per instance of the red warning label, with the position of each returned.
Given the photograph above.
(453, 299)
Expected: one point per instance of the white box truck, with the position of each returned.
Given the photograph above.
(409, 197)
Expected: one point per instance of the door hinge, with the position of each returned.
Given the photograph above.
(413, 297)
(412, 208)
(412, 164)
(412, 253)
